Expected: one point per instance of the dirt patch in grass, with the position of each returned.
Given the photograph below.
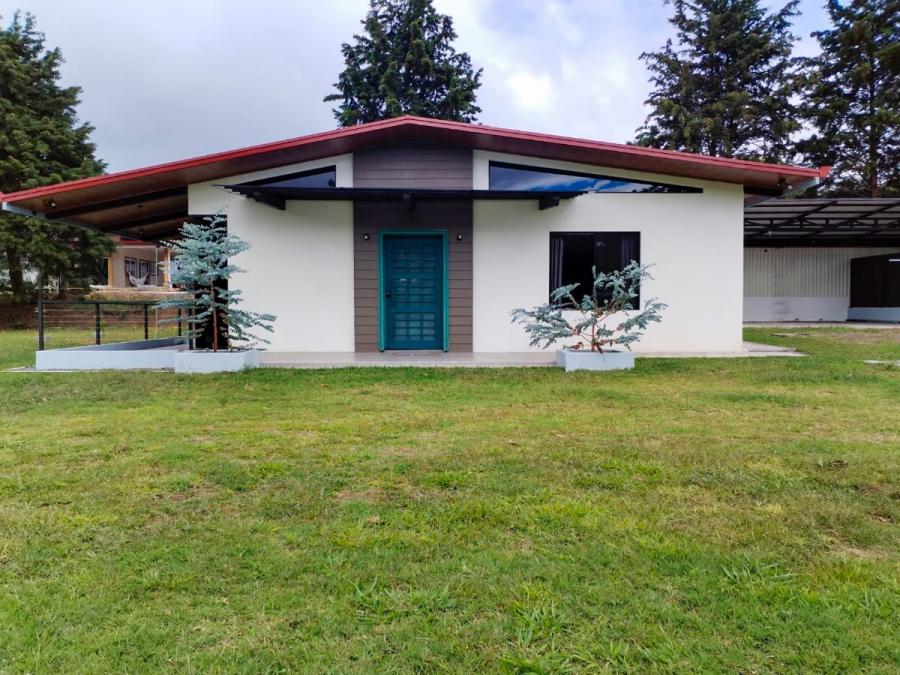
(370, 495)
(870, 337)
(397, 494)
(204, 491)
(851, 336)
(861, 553)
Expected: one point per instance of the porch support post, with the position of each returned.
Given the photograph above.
(40, 308)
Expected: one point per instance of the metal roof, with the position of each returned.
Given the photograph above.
(150, 202)
(839, 221)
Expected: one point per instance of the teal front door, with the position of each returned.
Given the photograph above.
(413, 287)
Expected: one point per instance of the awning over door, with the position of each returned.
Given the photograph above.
(277, 197)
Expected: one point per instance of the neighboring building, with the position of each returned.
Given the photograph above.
(138, 263)
(800, 254)
(413, 233)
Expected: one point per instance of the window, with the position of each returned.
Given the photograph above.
(152, 270)
(130, 268)
(537, 179)
(573, 254)
(325, 177)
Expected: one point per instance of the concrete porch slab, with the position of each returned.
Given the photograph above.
(748, 349)
(434, 359)
(401, 359)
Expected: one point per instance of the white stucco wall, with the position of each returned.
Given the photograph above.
(695, 242)
(800, 284)
(300, 264)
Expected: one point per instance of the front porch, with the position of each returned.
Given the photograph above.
(439, 359)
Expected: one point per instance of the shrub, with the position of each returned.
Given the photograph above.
(611, 300)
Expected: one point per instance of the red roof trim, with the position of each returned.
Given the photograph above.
(195, 161)
(422, 122)
(621, 148)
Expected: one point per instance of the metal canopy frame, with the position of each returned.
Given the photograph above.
(278, 197)
(838, 221)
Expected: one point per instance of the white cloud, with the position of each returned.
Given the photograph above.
(534, 93)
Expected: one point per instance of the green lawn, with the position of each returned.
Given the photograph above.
(691, 515)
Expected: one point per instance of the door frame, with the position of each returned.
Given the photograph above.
(445, 248)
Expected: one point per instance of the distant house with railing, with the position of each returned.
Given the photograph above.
(137, 263)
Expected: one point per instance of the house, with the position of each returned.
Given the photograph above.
(421, 234)
(137, 263)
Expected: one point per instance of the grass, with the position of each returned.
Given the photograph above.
(691, 515)
(16, 349)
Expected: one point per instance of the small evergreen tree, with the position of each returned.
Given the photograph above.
(404, 63)
(853, 98)
(41, 142)
(612, 295)
(201, 266)
(725, 88)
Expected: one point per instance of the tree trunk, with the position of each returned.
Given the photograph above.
(215, 323)
(16, 276)
(873, 131)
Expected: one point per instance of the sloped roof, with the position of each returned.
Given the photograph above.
(151, 201)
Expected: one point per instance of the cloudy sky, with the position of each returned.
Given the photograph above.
(171, 79)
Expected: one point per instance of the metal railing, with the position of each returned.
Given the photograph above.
(75, 323)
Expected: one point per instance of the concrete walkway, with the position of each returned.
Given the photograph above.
(858, 325)
(435, 359)
(423, 359)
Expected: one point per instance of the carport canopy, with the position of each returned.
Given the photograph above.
(839, 221)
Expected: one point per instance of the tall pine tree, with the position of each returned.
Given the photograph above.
(41, 142)
(853, 99)
(725, 87)
(404, 63)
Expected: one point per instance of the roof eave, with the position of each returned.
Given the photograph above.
(343, 140)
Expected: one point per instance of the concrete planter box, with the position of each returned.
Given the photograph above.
(139, 355)
(216, 362)
(579, 360)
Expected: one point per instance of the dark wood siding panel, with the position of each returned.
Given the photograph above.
(371, 218)
(414, 167)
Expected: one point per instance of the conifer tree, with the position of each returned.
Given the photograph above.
(404, 63)
(853, 98)
(41, 142)
(725, 87)
(202, 267)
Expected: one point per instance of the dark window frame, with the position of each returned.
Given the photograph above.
(582, 289)
(331, 168)
(670, 188)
